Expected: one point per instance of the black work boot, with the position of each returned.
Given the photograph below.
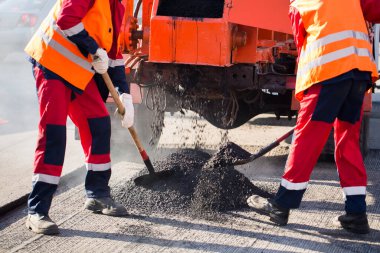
(105, 206)
(41, 224)
(355, 223)
(277, 214)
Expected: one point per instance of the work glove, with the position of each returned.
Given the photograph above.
(128, 118)
(100, 61)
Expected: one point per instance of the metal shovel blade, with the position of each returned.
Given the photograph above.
(149, 179)
(153, 175)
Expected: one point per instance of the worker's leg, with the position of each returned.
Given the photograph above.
(54, 98)
(349, 161)
(90, 115)
(319, 108)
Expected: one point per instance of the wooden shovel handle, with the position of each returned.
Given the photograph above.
(114, 93)
(121, 110)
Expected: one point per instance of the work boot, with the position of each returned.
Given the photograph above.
(41, 224)
(277, 214)
(355, 223)
(105, 206)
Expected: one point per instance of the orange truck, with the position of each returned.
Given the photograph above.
(227, 60)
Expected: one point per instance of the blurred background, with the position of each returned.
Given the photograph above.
(19, 19)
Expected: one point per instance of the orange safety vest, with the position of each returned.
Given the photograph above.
(51, 48)
(337, 41)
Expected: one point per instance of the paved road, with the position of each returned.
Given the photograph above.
(310, 229)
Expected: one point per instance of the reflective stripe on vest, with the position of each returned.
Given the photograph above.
(333, 38)
(74, 30)
(51, 47)
(335, 43)
(307, 63)
(333, 56)
(62, 50)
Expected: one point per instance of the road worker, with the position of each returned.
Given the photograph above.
(335, 70)
(75, 44)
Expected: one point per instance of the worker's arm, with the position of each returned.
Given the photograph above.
(116, 67)
(116, 72)
(298, 28)
(371, 10)
(70, 22)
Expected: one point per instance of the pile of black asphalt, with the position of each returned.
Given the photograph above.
(201, 185)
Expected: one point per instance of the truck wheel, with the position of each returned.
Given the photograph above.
(214, 111)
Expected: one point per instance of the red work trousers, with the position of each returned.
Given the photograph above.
(90, 115)
(337, 105)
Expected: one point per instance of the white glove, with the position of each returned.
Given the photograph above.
(100, 61)
(128, 118)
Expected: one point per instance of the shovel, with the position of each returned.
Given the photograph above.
(152, 176)
(262, 151)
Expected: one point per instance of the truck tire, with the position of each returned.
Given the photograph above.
(214, 113)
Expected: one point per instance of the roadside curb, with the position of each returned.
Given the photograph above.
(13, 204)
(66, 182)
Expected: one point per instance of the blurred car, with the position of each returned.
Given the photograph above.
(19, 19)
